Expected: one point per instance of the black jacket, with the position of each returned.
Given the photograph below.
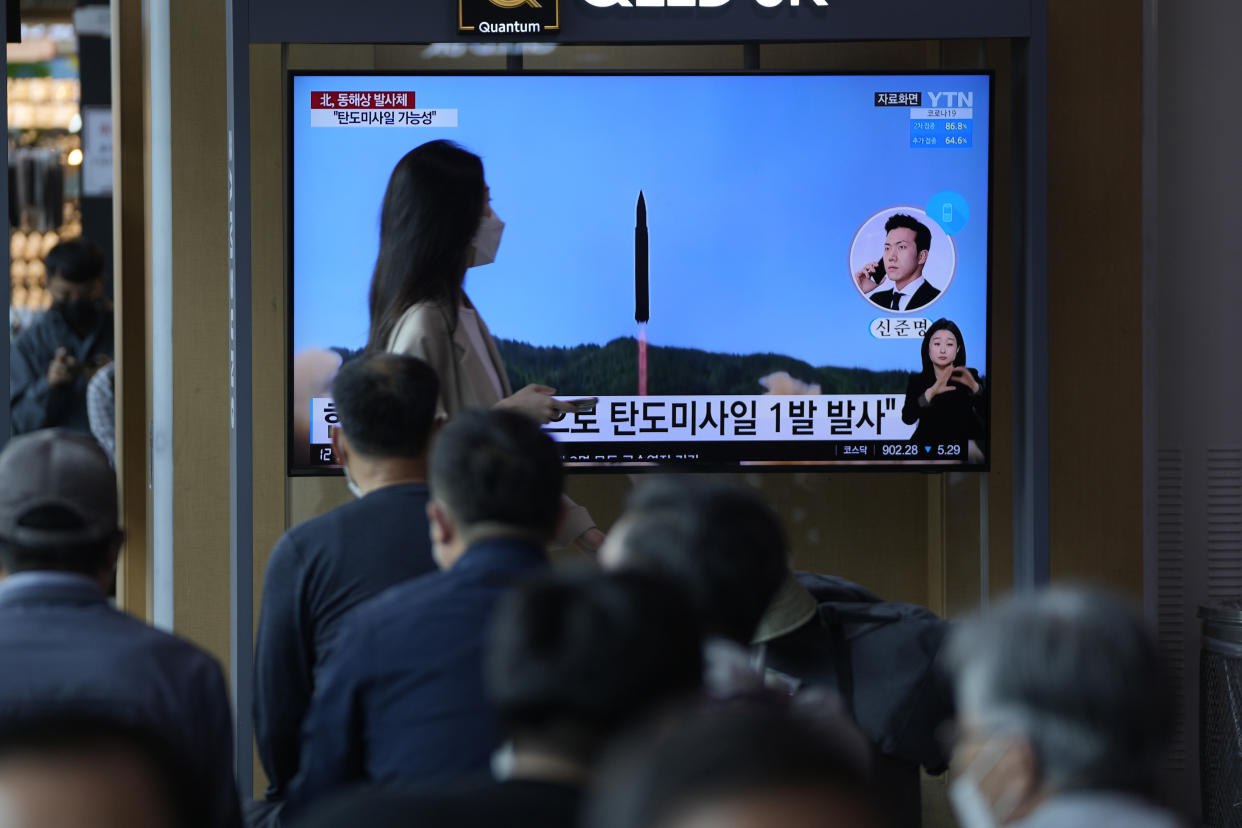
(921, 297)
(64, 650)
(319, 571)
(955, 416)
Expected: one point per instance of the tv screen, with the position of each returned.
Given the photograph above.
(743, 270)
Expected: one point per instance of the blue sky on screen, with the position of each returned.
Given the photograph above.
(755, 189)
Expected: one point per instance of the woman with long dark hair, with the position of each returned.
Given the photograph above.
(946, 398)
(436, 222)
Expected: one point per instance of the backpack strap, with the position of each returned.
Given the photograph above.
(841, 666)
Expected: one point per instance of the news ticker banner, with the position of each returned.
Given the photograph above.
(692, 419)
(366, 108)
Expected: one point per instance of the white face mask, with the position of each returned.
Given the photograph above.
(486, 239)
(968, 803)
(353, 487)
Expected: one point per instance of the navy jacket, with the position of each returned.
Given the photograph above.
(33, 404)
(63, 648)
(319, 571)
(515, 803)
(402, 695)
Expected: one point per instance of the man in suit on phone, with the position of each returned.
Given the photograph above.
(905, 254)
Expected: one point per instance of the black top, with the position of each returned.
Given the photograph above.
(925, 294)
(33, 404)
(65, 650)
(483, 803)
(955, 416)
(319, 571)
(401, 699)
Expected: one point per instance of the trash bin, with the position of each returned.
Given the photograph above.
(1220, 715)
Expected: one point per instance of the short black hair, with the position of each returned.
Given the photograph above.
(922, 234)
(78, 260)
(86, 559)
(721, 542)
(939, 325)
(387, 404)
(716, 753)
(93, 736)
(574, 656)
(496, 466)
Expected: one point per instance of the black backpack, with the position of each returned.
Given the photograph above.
(882, 657)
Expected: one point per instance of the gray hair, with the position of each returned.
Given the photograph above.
(1076, 673)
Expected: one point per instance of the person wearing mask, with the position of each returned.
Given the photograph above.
(52, 361)
(436, 222)
(1063, 715)
(401, 697)
(324, 567)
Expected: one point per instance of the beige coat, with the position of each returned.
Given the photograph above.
(425, 331)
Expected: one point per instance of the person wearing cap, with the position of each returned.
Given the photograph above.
(724, 546)
(882, 657)
(64, 650)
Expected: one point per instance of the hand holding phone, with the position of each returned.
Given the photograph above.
(870, 276)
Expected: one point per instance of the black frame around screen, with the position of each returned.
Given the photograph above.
(687, 466)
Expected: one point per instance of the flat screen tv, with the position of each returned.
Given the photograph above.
(759, 271)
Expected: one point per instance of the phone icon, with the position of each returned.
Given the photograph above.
(946, 213)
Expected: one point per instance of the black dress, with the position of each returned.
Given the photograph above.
(955, 416)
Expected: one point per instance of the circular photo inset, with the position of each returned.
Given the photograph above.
(901, 260)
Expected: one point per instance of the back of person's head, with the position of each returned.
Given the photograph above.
(498, 467)
(721, 542)
(58, 504)
(747, 766)
(432, 208)
(90, 772)
(1074, 673)
(574, 657)
(387, 404)
(75, 261)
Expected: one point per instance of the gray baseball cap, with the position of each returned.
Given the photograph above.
(61, 469)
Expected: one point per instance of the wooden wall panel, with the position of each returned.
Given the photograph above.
(1094, 291)
(200, 330)
(130, 277)
(267, 229)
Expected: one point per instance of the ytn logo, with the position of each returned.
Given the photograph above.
(950, 99)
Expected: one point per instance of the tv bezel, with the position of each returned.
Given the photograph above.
(689, 467)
